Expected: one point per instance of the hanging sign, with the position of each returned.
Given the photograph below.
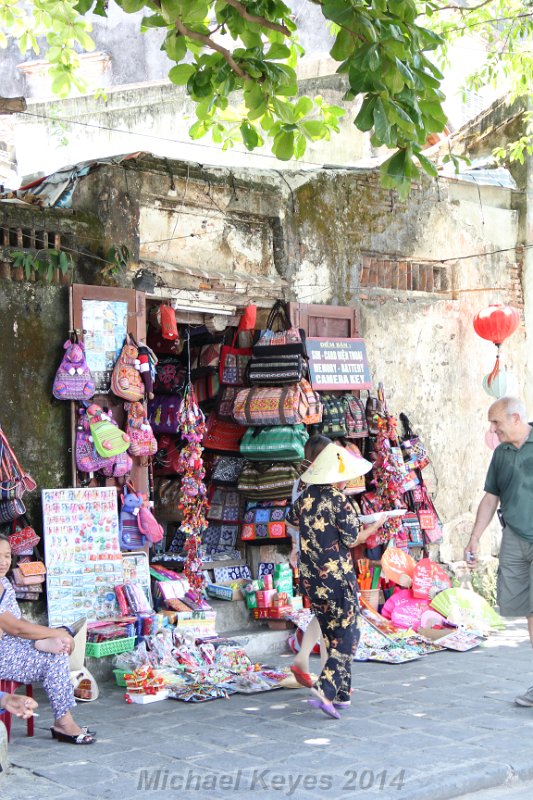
(338, 364)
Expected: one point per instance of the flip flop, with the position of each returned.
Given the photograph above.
(325, 706)
(303, 678)
(342, 703)
(80, 738)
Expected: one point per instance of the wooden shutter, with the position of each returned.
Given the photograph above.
(323, 321)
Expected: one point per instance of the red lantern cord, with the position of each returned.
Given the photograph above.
(496, 368)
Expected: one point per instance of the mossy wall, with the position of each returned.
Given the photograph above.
(34, 321)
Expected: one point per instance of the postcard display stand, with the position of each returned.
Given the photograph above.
(82, 553)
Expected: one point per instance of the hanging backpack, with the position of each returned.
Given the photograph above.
(126, 381)
(87, 457)
(142, 440)
(333, 416)
(149, 526)
(108, 438)
(73, 379)
(130, 536)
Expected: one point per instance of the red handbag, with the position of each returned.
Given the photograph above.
(222, 435)
(23, 541)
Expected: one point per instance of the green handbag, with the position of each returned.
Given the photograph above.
(266, 481)
(275, 443)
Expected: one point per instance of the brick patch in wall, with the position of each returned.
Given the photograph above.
(407, 276)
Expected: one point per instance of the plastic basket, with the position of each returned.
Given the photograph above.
(101, 649)
(119, 677)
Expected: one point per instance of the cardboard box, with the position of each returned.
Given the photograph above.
(225, 591)
(171, 615)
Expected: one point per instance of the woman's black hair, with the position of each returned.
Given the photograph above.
(314, 446)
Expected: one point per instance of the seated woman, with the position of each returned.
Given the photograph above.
(22, 658)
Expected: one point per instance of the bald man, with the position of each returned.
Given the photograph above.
(509, 483)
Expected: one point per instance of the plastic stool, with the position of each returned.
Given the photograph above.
(10, 687)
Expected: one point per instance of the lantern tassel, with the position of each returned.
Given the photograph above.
(496, 369)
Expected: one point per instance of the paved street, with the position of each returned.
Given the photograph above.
(433, 729)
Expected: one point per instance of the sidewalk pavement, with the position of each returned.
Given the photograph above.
(433, 729)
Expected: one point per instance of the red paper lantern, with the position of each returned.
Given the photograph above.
(496, 322)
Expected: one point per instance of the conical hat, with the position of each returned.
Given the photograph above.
(335, 465)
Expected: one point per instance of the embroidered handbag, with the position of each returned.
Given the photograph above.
(222, 435)
(168, 495)
(73, 379)
(354, 417)
(285, 341)
(163, 414)
(167, 457)
(288, 405)
(278, 442)
(126, 381)
(264, 481)
(206, 386)
(234, 362)
(411, 526)
(11, 509)
(225, 505)
(219, 537)
(29, 573)
(205, 357)
(414, 452)
(13, 480)
(170, 374)
(276, 370)
(225, 401)
(226, 470)
(142, 440)
(23, 540)
(265, 520)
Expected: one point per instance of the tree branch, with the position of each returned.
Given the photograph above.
(273, 26)
(462, 9)
(200, 37)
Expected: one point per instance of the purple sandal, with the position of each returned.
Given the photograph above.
(325, 706)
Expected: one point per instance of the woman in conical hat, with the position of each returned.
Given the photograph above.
(329, 527)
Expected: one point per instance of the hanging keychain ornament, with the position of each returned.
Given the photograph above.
(193, 500)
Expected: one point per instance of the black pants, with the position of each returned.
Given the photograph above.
(338, 622)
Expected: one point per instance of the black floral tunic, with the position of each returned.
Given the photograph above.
(328, 526)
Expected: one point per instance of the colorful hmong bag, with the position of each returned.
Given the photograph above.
(265, 520)
(275, 443)
(288, 405)
(263, 481)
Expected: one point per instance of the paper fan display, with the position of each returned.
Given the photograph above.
(465, 607)
(398, 566)
(429, 578)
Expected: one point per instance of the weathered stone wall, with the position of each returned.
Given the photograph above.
(417, 271)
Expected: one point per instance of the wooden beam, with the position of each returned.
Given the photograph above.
(12, 105)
